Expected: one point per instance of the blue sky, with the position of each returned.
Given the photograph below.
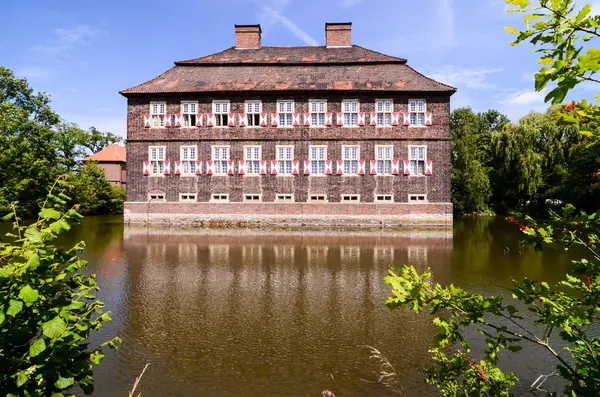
(82, 53)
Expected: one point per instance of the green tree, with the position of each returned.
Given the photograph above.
(48, 309)
(470, 181)
(94, 193)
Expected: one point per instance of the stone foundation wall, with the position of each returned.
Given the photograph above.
(291, 215)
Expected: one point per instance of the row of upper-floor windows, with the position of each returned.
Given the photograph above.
(286, 115)
(289, 198)
(285, 163)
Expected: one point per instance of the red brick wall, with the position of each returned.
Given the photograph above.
(338, 35)
(247, 37)
(436, 137)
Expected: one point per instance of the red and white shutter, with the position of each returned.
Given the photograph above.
(210, 120)
(306, 167)
(274, 120)
(328, 119)
(146, 167)
(395, 167)
(263, 119)
(406, 167)
(307, 119)
(328, 167)
(167, 167)
(428, 167)
(295, 119)
(373, 170)
(361, 167)
(241, 167)
(295, 167)
(177, 167)
(231, 117)
(209, 167)
(198, 119)
(147, 121)
(406, 118)
(428, 118)
(198, 167)
(340, 119)
(178, 119)
(167, 120)
(361, 118)
(230, 167)
(263, 167)
(242, 119)
(395, 118)
(373, 118)
(274, 167)
(340, 167)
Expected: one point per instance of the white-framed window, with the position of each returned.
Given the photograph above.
(219, 197)
(285, 110)
(384, 156)
(285, 157)
(253, 111)
(351, 198)
(417, 109)
(417, 156)
(350, 156)
(350, 109)
(156, 156)
(284, 197)
(189, 109)
(187, 197)
(158, 113)
(318, 109)
(252, 197)
(252, 157)
(221, 112)
(384, 109)
(318, 198)
(220, 158)
(157, 197)
(417, 198)
(188, 156)
(318, 159)
(384, 198)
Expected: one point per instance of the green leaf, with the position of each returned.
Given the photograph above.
(54, 328)
(521, 3)
(512, 30)
(8, 217)
(49, 213)
(583, 13)
(63, 383)
(22, 378)
(58, 395)
(28, 295)
(514, 349)
(1, 316)
(59, 226)
(34, 261)
(37, 348)
(14, 307)
(33, 234)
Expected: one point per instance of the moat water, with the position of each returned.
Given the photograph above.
(247, 313)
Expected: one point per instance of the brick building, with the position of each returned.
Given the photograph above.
(334, 134)
(113, 160)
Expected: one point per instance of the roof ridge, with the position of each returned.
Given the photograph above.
(429, 78)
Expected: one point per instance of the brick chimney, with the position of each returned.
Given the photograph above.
(338, 34)
(247, 36)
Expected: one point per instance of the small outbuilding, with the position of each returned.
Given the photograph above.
(113, 160)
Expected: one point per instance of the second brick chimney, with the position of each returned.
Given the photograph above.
(338, 34)
(247, 36)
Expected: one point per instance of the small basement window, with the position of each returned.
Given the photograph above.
(251, 197)
(157, 197)
(413, 198)
(284, 197)
(317, 197)
(384, 198)
(187, 197)
(354, 198)
(220, 197)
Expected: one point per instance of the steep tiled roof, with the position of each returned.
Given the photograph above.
(112, 152)
(291, 69)
(294, 56)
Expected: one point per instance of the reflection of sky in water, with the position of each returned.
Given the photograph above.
(276, 314)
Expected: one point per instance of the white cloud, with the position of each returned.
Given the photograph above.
(271, 14)
(525, 97)
(350, 3)
(63, 43)
(33, 73)
(464, 78)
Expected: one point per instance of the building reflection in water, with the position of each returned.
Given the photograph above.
(274, 314)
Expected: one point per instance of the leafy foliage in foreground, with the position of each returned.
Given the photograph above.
(47, 308)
